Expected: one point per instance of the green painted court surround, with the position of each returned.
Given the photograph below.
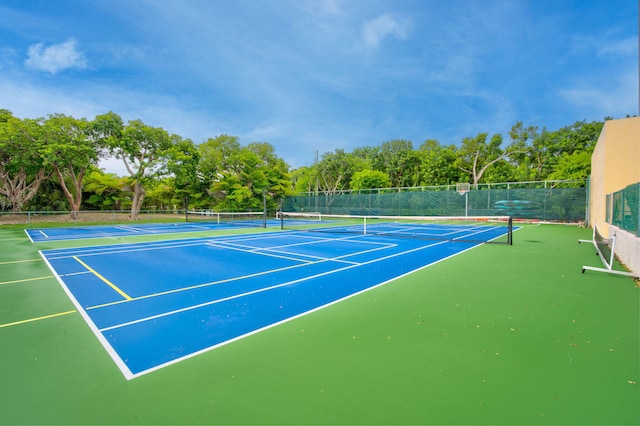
(497, 335)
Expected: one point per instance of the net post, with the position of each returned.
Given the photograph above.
(510, 230)
(264, 208)
(281, 220)
(613, 247)
(463, 188)
(365, 226)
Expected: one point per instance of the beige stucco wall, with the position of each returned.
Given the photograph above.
(615, 164)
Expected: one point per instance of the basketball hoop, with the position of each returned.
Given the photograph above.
(463, 187)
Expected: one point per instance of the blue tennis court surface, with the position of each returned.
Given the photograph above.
(154, 304)
(111, 231)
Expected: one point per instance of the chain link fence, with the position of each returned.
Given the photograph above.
(623, 209)
(550, 202)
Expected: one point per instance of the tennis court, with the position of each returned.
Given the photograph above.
(153, 304)
(493, 335)
(194, 222)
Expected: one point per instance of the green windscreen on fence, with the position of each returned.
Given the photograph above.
(623, 207)
(547, 204)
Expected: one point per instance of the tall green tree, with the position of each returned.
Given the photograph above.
(103, 191)
(276, 171)
(217, 156)
(334, 172)
(367, 153)
(437, 164)
(107, 128)
(567, 144)
(237, 187)
(70, 150)
(304, 179)
(22, 169)
(369, 179)
(574, 166)
(476, 155)
(219, 170)
(144, 150)
(182, 164)
(400, 162)
(519, 167)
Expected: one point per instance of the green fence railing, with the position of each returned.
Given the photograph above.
(623, 209)
(545, 204)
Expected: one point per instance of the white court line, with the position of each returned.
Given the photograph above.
(467, 231)
(268, 251)
(206, 228)
(243, 277)
(67, 253)
(318, 240)
(26, 231)
(476, 233)
(261, 290)
(75, 273)
(64, 253)
(261, 252)
(135, 230)
(42, 232)
(138, 247)
(103, 340)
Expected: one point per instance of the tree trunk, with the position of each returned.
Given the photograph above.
(138, 198)
(16, 189)
(75, 197)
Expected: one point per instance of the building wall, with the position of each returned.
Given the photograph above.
(615, 164)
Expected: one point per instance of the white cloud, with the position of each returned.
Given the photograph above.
(615, 98)
(626, 47)
(376, 30)
(56, 57)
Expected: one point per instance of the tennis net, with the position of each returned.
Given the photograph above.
(605, 249)
(604, 246)
(486, 229)
(249, 219)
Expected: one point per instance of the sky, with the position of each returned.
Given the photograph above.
(313, 76)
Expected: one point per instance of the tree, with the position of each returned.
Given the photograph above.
(437, 164)
(400, 162)
(476, 155)
(224, 167)
(103, 191)
(216, 156)
(334, 172)
(143, 150)
(367, 153)
(303, 179)
(182, 164)
(574, 166)
(369, 179)
(549, 148)
(21, 166)
(520, 161)
(276, 171)
(70, 151)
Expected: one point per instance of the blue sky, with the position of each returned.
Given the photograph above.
(307, 75)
